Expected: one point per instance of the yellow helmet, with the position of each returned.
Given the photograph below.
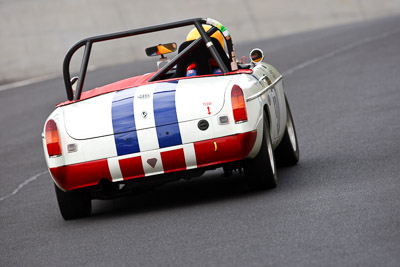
(194, 34)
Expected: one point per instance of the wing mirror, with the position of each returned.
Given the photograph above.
(256, 55)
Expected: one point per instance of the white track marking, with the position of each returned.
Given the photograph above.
(28, 82)
(27, 181)
(338, 51)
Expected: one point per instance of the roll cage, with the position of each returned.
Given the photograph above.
(197, 22)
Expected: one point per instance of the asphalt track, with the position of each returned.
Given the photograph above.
(340, 206)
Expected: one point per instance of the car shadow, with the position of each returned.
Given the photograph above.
(210, 188)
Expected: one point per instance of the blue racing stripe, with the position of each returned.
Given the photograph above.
(165, 117)
(127, 143)
(123, 121)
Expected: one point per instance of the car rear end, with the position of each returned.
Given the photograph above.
(153, 129)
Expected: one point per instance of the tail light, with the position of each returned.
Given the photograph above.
(53, 139)
(238, 104)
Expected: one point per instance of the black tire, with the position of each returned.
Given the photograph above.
(260, 172)
(287, 153)
(74, 204)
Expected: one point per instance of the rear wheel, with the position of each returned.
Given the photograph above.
(287, 153)
(74, 204)
(260, 172)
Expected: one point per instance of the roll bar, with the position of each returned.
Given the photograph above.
(197, 22)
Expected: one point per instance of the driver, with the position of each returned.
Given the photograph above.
(193, 35)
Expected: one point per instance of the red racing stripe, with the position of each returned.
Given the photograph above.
(209, 152)
(131, 167)
(173, 160)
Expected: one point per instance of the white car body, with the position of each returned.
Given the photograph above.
(165, 126)
(88, 125)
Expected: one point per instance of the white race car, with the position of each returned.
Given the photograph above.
(201, 110)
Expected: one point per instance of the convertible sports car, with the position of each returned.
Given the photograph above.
(200, 110)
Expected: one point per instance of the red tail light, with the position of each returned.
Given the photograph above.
(238, 104)
(53, 139)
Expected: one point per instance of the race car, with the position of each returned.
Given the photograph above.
(200, 110)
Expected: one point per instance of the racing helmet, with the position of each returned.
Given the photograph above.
(194, 34)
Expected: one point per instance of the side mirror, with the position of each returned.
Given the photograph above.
(256, 55)
(161, 49)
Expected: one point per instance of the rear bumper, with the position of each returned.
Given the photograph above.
(172, 159)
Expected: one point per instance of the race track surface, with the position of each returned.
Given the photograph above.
(340, 206)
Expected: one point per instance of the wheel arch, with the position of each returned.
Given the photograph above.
(266, 109)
